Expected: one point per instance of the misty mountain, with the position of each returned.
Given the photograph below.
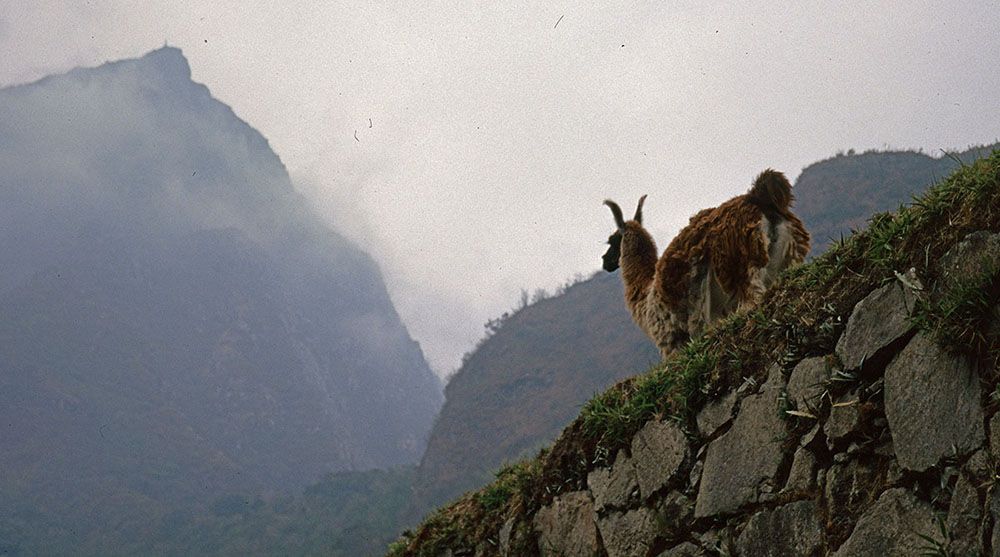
(175, 321)
(523, 384)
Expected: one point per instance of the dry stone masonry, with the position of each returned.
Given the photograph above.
(742, 466)
(889, 445)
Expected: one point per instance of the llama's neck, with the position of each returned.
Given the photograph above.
(638, 263)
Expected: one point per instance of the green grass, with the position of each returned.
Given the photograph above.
(674, 388)
(511, 480)
(959, 317)
(802, 316)
(475, 518)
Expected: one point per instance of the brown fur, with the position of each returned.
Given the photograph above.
(725, 234)
(727, 241)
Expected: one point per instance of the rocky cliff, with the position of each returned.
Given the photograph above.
(853, 413)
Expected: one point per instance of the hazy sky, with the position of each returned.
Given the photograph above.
(487, 134)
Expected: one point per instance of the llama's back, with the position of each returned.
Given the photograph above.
(721, 239)
(728, 255)
(685, 251)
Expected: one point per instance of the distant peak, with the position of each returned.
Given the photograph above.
(170, 60)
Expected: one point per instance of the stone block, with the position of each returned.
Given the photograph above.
(993, 507)
(808, 382)
(802, 475)
(673, 515)
(980, 467)
(995, 436)
(627, 534)
(614, 486)
(932, 404)
(658, 452)
(686, 549)
(974, 255)
(877, 321)
(792, 529)
(964, 518)
(849, 488)
(567, 527)
(743, 463)
(844, 418)
(893, 527)
(716, 414)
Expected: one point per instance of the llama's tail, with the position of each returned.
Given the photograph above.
(771, 190)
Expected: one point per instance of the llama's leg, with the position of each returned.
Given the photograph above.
(754, 293)
(714, 303)
(674, 343)
(674, 334)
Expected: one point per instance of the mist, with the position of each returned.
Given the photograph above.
(469, 147)
(180, 331)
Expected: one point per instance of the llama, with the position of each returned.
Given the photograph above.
(722, 261)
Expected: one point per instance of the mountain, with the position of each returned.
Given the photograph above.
(176, 323)
(522, 385)
(853, 413)
(347, 514)
(837, 196)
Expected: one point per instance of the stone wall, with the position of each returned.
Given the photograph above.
(887, 446)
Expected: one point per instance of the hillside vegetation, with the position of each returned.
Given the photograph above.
(837, 196)
(803, 317)
(519, 388)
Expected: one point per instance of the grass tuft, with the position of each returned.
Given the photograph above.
(674, 388)
(960, 318)
(475, 518)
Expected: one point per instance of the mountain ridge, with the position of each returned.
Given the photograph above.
(177, 323)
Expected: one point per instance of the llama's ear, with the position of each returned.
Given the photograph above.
(617, 212)
(638, 210)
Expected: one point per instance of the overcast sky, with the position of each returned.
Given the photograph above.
(468, 145)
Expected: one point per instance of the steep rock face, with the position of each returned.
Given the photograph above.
(175, 321)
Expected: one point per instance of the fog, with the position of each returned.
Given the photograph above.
(175, 323)
(468, 147)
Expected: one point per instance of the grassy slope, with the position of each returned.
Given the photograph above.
(802, 317)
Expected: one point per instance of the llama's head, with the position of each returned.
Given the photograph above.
(613, 255)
